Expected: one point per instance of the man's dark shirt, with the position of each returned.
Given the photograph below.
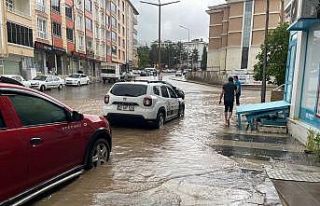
(229, 92)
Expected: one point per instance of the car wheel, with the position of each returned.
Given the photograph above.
(42, 88)
(160, 121)
(60, 87)
(99, 154)
(88, 82)
(79, 84)
(181, 111)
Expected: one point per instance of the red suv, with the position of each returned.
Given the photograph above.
(44, 143)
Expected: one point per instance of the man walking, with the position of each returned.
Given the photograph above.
(228, 92)
(238, 92)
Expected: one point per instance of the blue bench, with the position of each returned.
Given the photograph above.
(254, 111)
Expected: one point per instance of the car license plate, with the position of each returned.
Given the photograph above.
(124, 107)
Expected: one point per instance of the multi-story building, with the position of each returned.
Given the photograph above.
(236, 33)
(302, 88)
(132, 53)
(199, 45)
(65, 36)
(17, 35)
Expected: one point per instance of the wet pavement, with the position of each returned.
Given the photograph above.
(191, 161)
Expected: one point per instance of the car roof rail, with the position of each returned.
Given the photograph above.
(138, 80)
(8, 80)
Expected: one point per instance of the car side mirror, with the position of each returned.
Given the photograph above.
(76, 116)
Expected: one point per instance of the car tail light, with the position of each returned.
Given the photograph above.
(106, 99)
(147, 101)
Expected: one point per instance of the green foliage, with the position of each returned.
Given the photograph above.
(204, 59)
(277, 44)
(313, 143)
(143, 54)
(195, 56)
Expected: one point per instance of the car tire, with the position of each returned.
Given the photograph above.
(42, 88)
(88, 82)
(98, 154)
(78, 84)
(181, 112)
(60, 87)
(158, 124)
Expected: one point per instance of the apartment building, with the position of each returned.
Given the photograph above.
(16, 35)
(236, 32)
(199, 45)
(132, 57)
(64, 36)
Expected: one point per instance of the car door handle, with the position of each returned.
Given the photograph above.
(35, 141)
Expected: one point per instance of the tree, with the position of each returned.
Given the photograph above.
(143, 54)
(277, 43)
(204, 58)
(194, 57)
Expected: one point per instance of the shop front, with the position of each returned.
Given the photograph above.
(303, 79)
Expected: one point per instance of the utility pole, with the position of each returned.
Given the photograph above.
(159, 5)
(265, 59)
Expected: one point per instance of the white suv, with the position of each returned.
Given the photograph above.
(152, 102)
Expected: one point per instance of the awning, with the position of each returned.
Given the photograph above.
(303, 24)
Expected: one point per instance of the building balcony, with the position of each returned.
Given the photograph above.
(19, 7)
(40, 7)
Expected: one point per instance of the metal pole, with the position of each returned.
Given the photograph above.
(264, 71)
(159, 46)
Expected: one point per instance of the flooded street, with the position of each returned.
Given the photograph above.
(182, 164)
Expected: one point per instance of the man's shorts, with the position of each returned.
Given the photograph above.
(228, 106)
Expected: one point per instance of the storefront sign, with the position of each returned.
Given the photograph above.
(39, 45)
(59, 50)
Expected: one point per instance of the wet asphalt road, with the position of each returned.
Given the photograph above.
(172, 166)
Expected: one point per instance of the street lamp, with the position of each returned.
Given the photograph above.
(186, 28)
(159, 4)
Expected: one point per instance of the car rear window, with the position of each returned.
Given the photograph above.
(129, 90)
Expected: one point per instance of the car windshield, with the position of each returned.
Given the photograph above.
(74, 76)
(129, 90)
(41, 78)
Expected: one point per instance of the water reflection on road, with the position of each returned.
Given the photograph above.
(171, 166)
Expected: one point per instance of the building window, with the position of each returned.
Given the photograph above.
(123, 43)
(113, 22)
(113, 7)
(97, 32)
(79, 3)
(42, 28)
(123, 55)
(10, 5)
(122, 18)
(69, 12)
(123, 31)
(56, 29)
(55, 5)
(88, 24)
(70, 34)
(123, 6)
(114, 36)
(246, 33)
(119, 41)
(80, 42)
(80, 22)
(88, 5)
(114, 50)
(40, 5)
(19, 34)
(310, 97)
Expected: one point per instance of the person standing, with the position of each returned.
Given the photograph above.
(228, 92)
(238, 92)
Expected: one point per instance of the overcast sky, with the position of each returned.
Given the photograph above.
(189, 13)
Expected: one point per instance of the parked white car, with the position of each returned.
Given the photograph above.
(151, 102)
(20, 79)
(44, 82)
(77, 80)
